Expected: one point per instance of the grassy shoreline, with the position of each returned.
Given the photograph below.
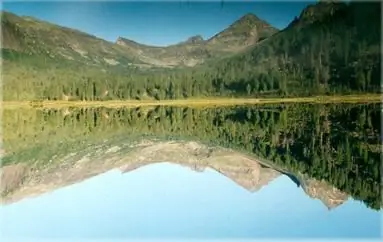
(370, 98)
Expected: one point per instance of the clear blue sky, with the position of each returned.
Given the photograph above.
(168, 200)
(156, 23)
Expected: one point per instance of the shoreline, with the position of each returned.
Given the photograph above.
(205, 102)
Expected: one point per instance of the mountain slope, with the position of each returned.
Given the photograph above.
(245, 32)
(35, 37)
(47, 61)
(188, 53)
(327, 49)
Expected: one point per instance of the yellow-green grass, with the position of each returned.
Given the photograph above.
(364, 98)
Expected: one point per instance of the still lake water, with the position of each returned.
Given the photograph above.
(291, 171)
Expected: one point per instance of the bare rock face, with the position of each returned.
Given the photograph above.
(195, 40)
(253, 178)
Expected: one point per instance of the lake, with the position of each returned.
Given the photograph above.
(270, 171)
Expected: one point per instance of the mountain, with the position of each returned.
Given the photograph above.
(61, 55)
(188, 53)
(327, 49)
(35, 37)
(197, 39)
(245, 32)
(319, 12)
(30, 36)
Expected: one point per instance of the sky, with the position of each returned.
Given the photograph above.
(166, 200)
(156, 23)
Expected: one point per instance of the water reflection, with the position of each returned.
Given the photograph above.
(170, 201)
(331, 152)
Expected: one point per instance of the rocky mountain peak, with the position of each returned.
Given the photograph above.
(320, 11)
(249, 18)
(247, 30)
(195, 39)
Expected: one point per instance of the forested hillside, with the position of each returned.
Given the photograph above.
(332, 47)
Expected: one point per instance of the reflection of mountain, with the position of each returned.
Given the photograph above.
(329, 195)
(245, 171)
(337, 143)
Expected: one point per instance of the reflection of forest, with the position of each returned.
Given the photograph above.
(337, 143)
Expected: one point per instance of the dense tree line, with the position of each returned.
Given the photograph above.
(338, 52)
(338, 143)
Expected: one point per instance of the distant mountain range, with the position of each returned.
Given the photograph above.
(245, 32)
(33, 36)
